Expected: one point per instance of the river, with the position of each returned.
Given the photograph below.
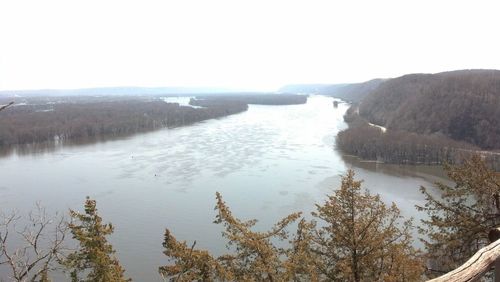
(267, 162)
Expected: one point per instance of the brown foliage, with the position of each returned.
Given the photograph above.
(254, 256)
(362, 239)
(359, 239)
(460, 220)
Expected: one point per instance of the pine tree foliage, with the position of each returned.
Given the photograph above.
(190, 264)
(461, 217)
(254, 256)
(359, 238)
(302, 262)
(362, 239)
(95, 256)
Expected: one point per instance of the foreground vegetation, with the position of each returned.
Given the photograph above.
(461, 218)
(352, 236)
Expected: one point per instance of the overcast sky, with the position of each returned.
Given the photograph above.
(250, 44)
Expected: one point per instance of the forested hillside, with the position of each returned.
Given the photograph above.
(351, 92)
(354, 92)
(463, 105)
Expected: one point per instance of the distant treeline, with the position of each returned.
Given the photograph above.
(27, 124)
(403, 147)
(370, 143)
(46, 119)
(258, 99)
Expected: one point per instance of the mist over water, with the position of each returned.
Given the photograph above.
(267, 162)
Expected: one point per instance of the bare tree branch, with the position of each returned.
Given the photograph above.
(34, 249)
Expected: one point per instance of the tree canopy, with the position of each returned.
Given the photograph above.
(94, 258)
(460, 219)
(363, 239)
(354, 236)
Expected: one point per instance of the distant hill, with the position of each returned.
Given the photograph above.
(118, 91)
(351, 92)
(463, 105)
(309, 88)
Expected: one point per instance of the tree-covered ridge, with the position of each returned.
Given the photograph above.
(353, 92)
(463, 105)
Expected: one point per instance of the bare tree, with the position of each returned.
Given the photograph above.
(30, 252)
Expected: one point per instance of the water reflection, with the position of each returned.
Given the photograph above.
(430, 173)
(51, 147)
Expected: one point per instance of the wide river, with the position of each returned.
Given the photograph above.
(267, 162)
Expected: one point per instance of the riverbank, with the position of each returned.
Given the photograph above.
(376, 143)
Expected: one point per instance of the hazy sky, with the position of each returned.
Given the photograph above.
(245, 44)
